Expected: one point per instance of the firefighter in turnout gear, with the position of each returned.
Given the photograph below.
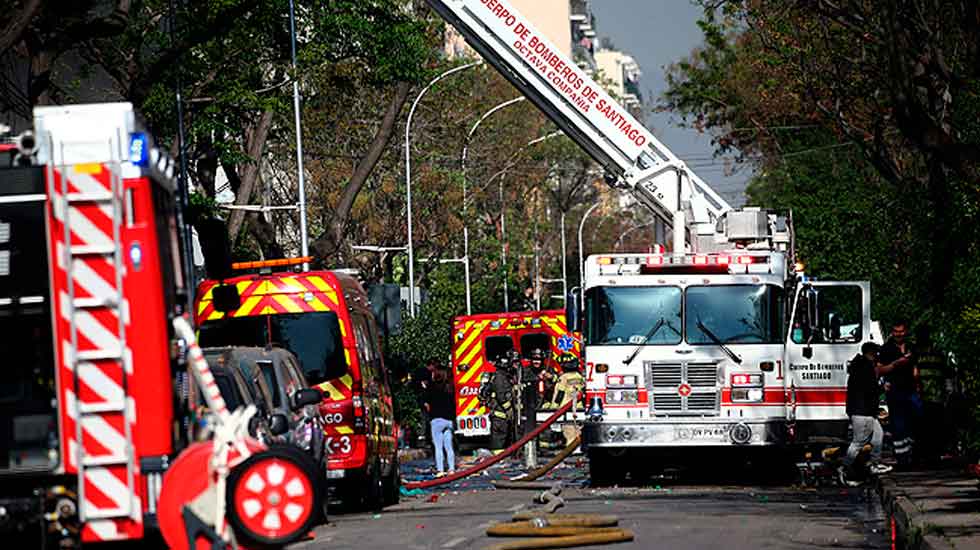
(498, 395)
(571, 385)
(531, 378)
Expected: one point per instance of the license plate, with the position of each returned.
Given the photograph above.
(702, 433)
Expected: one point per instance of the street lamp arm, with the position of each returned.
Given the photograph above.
(408, 178)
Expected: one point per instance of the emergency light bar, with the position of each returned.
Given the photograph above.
(696, 260)
(272, 263)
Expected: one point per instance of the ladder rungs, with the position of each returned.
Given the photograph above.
(86, 303)
(109, 460)
(104, 196)
(107, 513)
(98, 355)
(95, 408)
(93, 249)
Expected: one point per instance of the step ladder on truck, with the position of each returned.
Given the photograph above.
(723, 342)
(93, 284)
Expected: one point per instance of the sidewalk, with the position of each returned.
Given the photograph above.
(933, 509)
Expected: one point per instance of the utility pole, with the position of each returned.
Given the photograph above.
(304, 244)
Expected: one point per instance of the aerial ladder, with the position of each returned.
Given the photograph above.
(634, 160)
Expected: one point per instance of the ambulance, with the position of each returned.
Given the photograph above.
(480, 340)
(324, 318)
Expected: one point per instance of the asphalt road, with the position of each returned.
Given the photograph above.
(674, 514)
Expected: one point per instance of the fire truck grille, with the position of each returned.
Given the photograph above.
(700, 376)
(683, 389)
(665, 376)
(667, 403)
(702, 402)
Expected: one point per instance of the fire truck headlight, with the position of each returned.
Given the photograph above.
(747, 395)
(621, 396)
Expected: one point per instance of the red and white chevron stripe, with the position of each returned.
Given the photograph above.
(99, 381)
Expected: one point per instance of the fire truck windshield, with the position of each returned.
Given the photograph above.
(736, 314)
(314, 338)
(623, 316)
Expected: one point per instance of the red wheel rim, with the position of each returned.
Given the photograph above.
(273, 498)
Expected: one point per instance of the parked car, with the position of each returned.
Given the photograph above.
(238, 390)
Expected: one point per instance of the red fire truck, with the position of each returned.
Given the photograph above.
(92, 289)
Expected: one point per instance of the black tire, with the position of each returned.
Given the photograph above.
(393, 484)
(374, 493)
(243, 527)
(603, 472)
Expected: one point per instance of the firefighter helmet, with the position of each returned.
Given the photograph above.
(537, 354)
(568, 362)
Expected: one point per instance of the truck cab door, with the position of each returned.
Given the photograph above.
(829, 323)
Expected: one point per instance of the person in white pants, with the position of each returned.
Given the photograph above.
(862, 407)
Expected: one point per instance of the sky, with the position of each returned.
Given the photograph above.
(657, 33)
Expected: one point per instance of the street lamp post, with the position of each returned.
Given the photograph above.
(301, 179)
(408, 178)
(462, 161)
(581, 248)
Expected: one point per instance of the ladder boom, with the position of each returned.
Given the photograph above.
(586, 113)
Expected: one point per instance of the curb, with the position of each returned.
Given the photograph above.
(909, 524)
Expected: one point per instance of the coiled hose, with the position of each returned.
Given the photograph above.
(558, 531)
(490, 461)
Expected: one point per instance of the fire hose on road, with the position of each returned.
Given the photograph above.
(490, 461)
(525, 482)
(558, 531)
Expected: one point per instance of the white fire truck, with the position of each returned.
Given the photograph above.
(720, 343)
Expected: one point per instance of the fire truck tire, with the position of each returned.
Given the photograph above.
(393, 485)
(274, 497)
(374, 492)
(603, 470)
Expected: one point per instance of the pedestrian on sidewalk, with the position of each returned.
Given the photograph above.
(441, 409)
(862, 407)
(901, 392)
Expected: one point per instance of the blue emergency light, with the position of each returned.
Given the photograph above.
(139, 149)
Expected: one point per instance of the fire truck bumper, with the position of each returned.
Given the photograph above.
(699, 433)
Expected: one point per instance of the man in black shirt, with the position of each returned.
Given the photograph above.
(862, 407)
(901, 391)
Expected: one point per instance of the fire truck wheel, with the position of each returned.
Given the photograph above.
(393, 485)
(274, 497)
(603, 470)
(375, 490)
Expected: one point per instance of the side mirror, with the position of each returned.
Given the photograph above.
(225, 298)
(213, 235)
(808, 352)
(278, 424)
(573, 310)
(306, 396)
(253, 425)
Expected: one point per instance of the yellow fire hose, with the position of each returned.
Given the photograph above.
(558, 531)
